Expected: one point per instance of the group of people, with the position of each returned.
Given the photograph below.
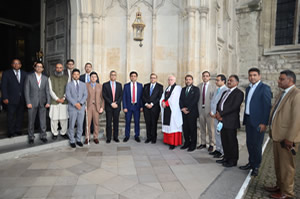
(76, 99)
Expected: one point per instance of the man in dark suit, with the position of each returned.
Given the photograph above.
(86, 77)
(112, 94)
(37, 97)
(132, 104)
(151, 96)
(228, 114)
(256, 117)
(12, 87)
(189, 98)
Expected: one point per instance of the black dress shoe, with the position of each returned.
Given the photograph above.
(73, 145)
(44, 140)
(172, 147)
(184, 147)
(210, 148)
(147, 141)
(201, 146)
(54, 137)
(65, 136)
(191, 149)
(219, 155)
(245, 167)
(213, 153)
(10, 135)
(137, 139)
(79, 144)
(153, 141)
(254, 172)
(107, 141)
(221, 161)
(117, 140)
(229, 164)
(125, 139)
(31, 141)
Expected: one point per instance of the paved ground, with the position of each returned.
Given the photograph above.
(124, 171)
(267, 176)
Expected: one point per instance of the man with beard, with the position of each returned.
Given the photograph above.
(58, 109)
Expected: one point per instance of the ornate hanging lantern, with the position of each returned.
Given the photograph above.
(138, 28)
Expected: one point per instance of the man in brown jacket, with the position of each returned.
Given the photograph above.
(95, 106)
(285, 133)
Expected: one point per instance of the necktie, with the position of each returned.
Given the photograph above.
(113, 90)
(88, 79)
(77, 87)
(151, 89)
(224, 98)
(133, 93)
(187, 91)
(218, 90)
(17, 75)
(203, 94)
(276, 106)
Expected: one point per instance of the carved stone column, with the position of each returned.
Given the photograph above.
(153, 66)
(97, 51)
(203, 38)
(191, 40)
(84, 39)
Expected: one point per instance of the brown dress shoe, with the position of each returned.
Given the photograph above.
(86, 141)
(96, 141)
(279, 196)
(272, 189)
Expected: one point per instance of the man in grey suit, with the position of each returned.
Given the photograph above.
(76, 93)
(37, 98)
(207, 90)
(221, 84)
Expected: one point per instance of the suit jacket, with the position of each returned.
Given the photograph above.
(260, 105)
(285, 124)
(155, 97)
(127, 96)
(11, 88)
(216, 98)
(231, 109)
(190, 101)
(99, 101)
(107, 95)
(73, 97)
(66, 73)
(35, 95)
(82, 78)
(208, 97)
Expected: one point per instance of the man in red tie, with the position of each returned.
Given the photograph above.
(207, 90)
(112, 94)
(132, 105)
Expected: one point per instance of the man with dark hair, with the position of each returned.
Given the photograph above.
(151, 96)
(132, 105)
(256, 116)
(58, 109)
(284, 131)
(221, 84)
(68, 71)
(206, 122)
(12, 87)
(188, 103)
(228, 115)
(95, 105)
(86, 77)
(112, 94)
(37, 99)
(76, 93)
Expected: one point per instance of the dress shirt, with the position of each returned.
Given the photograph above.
(87, 77)
(75, 82)
(226, 96)
(38, 79)
(131, 90)
(250, 93)
(152, 92)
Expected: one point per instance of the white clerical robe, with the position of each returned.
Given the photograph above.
(59, 111)
(176, 115)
